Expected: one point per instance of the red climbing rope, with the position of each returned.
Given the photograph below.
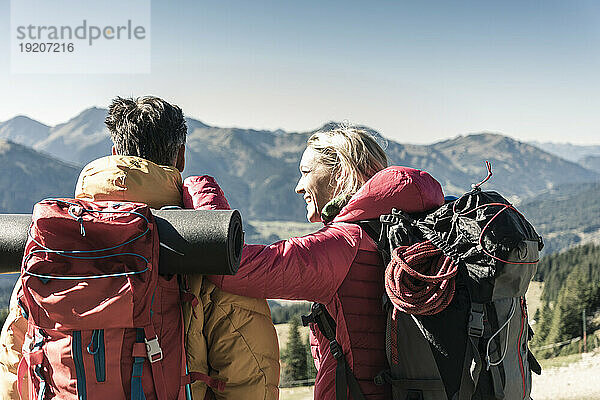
(420, 279)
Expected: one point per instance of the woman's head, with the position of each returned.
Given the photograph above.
(335, 163)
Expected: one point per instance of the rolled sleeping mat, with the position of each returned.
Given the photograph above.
(13, 238)
(207, 242)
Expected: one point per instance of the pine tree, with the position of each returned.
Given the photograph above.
(576, 294)
(543, 318)
(311, 370)
(294, 355)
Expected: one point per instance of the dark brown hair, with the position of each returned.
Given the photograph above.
(146, 127)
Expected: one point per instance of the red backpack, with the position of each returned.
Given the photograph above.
(102, 324)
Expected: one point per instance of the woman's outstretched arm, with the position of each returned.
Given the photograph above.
(311, 267)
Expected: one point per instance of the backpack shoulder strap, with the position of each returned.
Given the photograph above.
(472, 362)
(344, 378)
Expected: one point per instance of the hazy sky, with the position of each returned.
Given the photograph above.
(416, 71)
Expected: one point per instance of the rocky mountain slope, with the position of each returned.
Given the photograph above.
(24, 130)
(29, 176)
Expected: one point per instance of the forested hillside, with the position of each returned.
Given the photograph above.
(571, 284)
(566, 215)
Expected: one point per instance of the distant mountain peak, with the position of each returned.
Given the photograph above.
(92, 112)
(23, 119)
(569, 151)
(193, 123)
(24, 130)
(488, 136)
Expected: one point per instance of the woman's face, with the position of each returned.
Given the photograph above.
(314, 185)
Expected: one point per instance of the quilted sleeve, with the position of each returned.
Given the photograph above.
(311, 267)
(203, 193)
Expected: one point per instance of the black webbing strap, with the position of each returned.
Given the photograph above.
(473, 362)
(344, 378)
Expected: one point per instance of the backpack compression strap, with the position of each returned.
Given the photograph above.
(473, 363)
(344, 378)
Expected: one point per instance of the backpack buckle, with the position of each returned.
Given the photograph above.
(382, 378)
(476, 320)
(153, 349)
(336, 349)
(307, 319)
(315, 310)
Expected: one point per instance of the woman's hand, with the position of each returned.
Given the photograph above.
(203, 193)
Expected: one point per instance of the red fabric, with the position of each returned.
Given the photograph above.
(403, 188)
(117, 305)
(203, 193)
(339, 266)
(77, 309)
(22, 369)
(211, 382)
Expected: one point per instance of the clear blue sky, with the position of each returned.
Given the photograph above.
(417, 71)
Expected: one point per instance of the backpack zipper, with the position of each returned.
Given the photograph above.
(79, 367)
(96, 348)
(523, 316)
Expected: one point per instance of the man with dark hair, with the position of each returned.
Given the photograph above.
(148, 127)
(234, 333)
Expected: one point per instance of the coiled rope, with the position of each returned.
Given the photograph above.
(420, 279)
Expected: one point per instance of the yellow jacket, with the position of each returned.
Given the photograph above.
(227, 336)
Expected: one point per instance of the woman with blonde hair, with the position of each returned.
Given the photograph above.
(344, 180)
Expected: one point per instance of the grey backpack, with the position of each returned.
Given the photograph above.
(473, 345)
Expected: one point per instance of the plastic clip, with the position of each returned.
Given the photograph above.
(476, 320)
(336, 349)
(153, 349)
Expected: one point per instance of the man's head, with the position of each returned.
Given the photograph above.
(148, 127)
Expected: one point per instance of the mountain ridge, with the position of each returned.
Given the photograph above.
(258, 169)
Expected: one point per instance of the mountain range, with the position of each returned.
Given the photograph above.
(571, 152)
(555, 185)
(258, 169)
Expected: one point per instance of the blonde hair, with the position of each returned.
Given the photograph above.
(351, 155)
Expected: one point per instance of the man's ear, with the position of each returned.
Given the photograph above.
(114, 150)
(180, 163)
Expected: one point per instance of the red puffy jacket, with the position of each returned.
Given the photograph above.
(340, 267)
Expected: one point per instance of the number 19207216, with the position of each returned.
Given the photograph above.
(37, 47)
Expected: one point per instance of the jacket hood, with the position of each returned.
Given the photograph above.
(403, 188)
(129, 178)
